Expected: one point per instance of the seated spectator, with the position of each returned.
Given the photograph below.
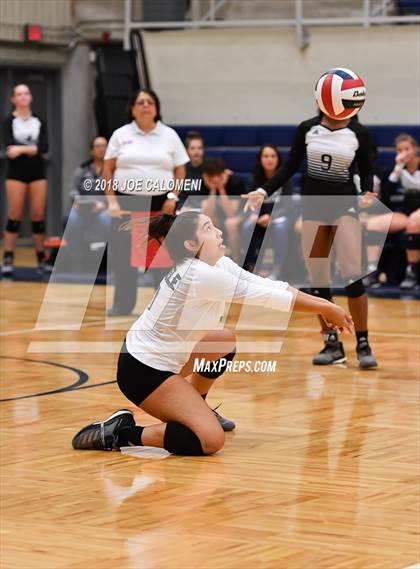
(88, 215)
(406, 179)
(221, 185)
(403, 180)
(268, 161)
(194, 145)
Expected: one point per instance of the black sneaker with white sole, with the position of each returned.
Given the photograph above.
(332, 353)
(103, 435)
(7, 267)
(410, 280)
(45, 267)
(365, 355)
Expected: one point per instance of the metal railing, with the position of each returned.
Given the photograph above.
(371, 14)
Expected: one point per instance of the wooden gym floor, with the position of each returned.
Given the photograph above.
(320, 472)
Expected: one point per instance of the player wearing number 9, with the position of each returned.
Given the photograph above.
(332, 149)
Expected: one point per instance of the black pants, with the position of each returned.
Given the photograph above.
(125, 276)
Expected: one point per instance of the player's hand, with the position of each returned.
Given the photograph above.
(209, 183)
(366, 199)
(13, 151)
(264, 220)
(225, 179)
(168, 206)
(401, 158)
(254, 200)
(337, 317)
(114, 209)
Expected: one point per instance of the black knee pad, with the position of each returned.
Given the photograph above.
(38, 226)
(218, 367)
(179, 439)
(13, 225)
(412, 241)
(322, 293)
(356, 289)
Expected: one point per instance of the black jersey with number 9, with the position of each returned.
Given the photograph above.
(331, 157)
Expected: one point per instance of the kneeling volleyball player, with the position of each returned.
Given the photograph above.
(158, 353)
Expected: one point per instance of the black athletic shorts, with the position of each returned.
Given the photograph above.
(411, 203)
(133, 202)
(329, 213)
(137, 380)
(26, 169)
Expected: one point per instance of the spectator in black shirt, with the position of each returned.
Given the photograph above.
(221, 185)
(268, 161)
(194, 145)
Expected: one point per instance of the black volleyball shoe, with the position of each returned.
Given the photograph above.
(332, 353)
(365, 355)
(410, 279)
(103, 435)
(7, 266)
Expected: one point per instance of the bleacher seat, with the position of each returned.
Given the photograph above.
(384, 135)
(238, 145)
(281, 135)
(238, 159)
(386, 157)
(408, 7)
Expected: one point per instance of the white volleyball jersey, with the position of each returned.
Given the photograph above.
(189, 302)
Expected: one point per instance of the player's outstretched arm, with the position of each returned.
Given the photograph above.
(334, 315)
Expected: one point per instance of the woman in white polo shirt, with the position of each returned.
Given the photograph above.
(142, 161)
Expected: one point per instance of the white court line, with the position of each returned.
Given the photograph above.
(90, 324)
(371, 334)
(416, 566)
(51, 347)
(254, 329)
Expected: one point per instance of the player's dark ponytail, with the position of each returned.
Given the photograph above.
(182, 227)
(159, 227)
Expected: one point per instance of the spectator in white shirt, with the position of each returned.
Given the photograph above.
(143, 159)
(406, 177)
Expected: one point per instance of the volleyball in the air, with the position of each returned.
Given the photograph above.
(340, 93)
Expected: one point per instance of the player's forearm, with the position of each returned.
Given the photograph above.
(29, 150)
(308, 303)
